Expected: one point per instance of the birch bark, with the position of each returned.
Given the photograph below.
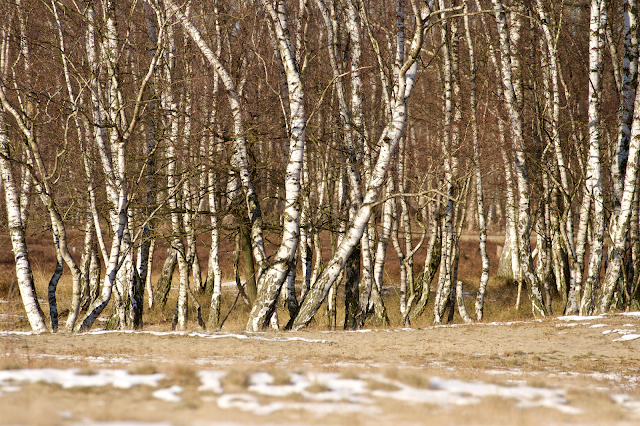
(14, 216)
(620, 226)
(523, 224)
(112, 151)
(271, 279)
(629, 84)
(445, 282)
(593, 187)
(484, 277)
(16, 231)
(432, 260)
(402, 88)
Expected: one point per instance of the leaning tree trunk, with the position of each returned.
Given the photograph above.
(620, 227)
(112, 150)
(16, 231)
(622, 164)
(391, 134)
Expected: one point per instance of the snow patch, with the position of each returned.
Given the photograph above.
(338, 389)
(18, 333)
(121, 359)
(211, 380)
(121, 423)
(627, 337)
(262, 383)
(631, 314)
(456, 392)
(599, 325)
(9, 389)
(626, 402)
(357, 393)
(169, 394)
(247, 402)
(66, 415)
(626, 334)
(581, 318)
(75, 378)
(219, 335)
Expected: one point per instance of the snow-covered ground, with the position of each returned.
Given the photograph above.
(321, 393)
(629, 332)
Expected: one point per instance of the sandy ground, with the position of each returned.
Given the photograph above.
(587, 363)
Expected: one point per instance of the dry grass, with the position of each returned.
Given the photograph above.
(9, 364)
(183, 375)
(417, 356)
(411, 378)
(144, 369)
(377, 385)
(349, 374)
(280, 377)
(317, 388)
(236, 381)
(499, 302)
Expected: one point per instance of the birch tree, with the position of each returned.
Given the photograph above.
(593, 186)
(484, 277)
(112, 153)
(522, 179)
(403, 84)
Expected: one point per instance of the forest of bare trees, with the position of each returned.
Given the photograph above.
(322, 137)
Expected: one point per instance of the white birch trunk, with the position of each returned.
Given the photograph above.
(445, 282)
(403, 86)
(307, 233)
(509, 262)
(594, 173)
(43, 188)
(270, 282)
(213, 282)
(523, 228)
(484, 277)
(16, 232)
(383, 242)
(170, 107)
(240, 158)
(145, 254)
(352, 121)
(620, 226)
(433, 258)
(112, 150)
(628, 85)
(214, 272)
(462, 310)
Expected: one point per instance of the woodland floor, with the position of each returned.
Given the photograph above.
(555, 371)
(511, 369)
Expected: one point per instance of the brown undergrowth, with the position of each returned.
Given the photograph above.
(499, 302)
